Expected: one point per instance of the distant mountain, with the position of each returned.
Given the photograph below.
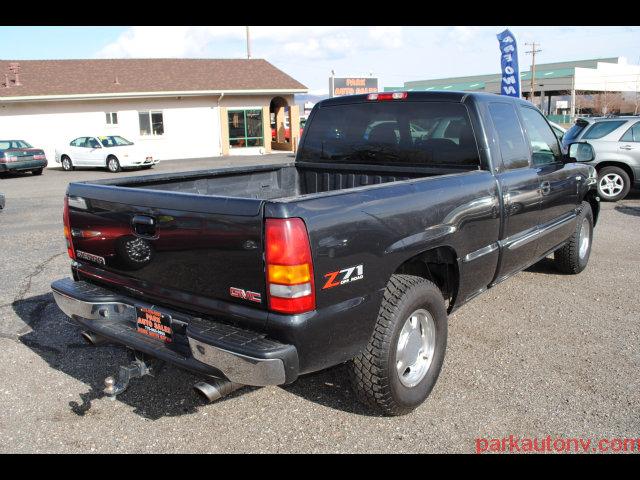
(301, 99)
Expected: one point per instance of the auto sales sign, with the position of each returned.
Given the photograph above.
(510, 84)
(352, 86)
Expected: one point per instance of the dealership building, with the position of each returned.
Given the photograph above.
(174, 108)
(557, 86)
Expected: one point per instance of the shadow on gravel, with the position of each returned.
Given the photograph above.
(56, 339)
(627, 210)
(332, 389)
(545, 266)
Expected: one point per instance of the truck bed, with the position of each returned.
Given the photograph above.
(277, 181)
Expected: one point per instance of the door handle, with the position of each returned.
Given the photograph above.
(626, 147)
(144, 226)
(545, 187)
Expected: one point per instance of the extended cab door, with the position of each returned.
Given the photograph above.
(558, 182)
(519, 184)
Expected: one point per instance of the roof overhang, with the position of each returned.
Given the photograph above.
(163, 94)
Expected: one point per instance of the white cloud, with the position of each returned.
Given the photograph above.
(390, 37)
(463, 34)
(310, 42)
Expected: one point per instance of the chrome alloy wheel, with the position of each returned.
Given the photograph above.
(416, 345)
(66, 164)
(584, 239)
(611, 185)
(113, 164)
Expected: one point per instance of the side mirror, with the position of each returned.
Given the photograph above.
(581, 152)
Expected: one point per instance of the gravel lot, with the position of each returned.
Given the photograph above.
(541, 354)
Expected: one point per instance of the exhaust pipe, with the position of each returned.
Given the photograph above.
(92, 338)
(217, 389)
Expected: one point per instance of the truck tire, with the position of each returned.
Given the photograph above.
(573, 257)
(613, 184)
(400, 365)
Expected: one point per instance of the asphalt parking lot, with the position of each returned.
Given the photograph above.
(541, 354)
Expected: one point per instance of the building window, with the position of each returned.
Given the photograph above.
(151, 123)
(245, 128)
(112, 118)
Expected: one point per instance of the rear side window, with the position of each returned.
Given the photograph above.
(391, 132)
(514, 150)
(544, 143)
(600, 129)
(573, 132)
(632, 135)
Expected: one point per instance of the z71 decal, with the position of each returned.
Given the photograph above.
(346, 275)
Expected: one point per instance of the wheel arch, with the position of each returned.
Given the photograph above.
(592, 197)
(439, 265)
(613, 163)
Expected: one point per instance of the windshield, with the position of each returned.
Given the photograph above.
(7, 144)
(408, 133)
(114, 141)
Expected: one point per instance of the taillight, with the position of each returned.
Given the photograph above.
(67, 229)
(380, 97)
(39, 157)
(8, 158)
(290, 286)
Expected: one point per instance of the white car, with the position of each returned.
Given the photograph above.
(112, 152)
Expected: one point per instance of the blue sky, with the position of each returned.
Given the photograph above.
(394, 54)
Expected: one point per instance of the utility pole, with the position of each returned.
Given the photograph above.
(248, 43)
(533, 52)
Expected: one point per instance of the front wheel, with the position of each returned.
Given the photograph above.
(401, 363)
(613, 184)
(574, 256)
(113, 165)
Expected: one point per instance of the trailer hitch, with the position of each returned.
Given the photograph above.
(140, 366)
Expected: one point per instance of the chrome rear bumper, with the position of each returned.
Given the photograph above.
(202, 346)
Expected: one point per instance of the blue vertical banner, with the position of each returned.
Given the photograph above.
(510, 84)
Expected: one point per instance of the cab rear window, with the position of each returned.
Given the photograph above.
(409, 133)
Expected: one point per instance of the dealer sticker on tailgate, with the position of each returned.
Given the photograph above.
(154, 324)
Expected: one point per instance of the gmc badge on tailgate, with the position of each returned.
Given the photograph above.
(245, 294)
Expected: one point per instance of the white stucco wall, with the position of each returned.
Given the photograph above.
(191, 125)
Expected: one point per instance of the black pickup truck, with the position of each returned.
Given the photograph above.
(399, 208)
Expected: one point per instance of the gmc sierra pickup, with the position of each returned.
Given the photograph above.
(399, 208)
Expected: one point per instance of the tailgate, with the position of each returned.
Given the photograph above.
(185, 249)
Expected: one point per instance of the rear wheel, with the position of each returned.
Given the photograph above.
(400, 365)
(574, 256)
(613, 184)
(38, 171)
(67, 166)
(113, 165)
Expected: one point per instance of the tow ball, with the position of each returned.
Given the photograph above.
(140, 366)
